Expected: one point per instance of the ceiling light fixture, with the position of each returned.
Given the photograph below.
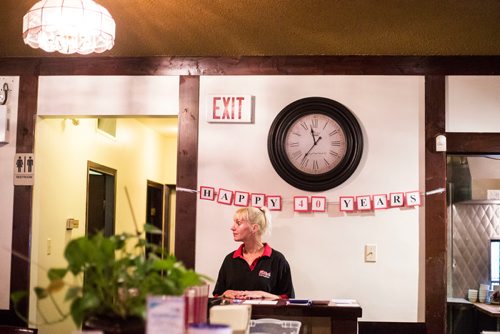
(69, 26)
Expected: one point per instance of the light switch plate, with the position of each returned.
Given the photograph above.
(72, 223)
(49, 246)
(370, 253)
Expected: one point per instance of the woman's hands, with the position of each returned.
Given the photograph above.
(238, 294)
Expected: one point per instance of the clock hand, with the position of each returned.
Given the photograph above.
(312, 133)
(305, 155)
(316, 142)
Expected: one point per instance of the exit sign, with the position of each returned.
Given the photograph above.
(229, 109)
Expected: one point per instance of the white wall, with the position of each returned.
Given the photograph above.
(7, 154)
(108, 95)
(473, 104)
(325, 250)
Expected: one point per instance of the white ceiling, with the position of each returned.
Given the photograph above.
(166, 126)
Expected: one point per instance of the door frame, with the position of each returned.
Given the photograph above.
(110, 206)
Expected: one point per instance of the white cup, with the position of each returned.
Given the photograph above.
(472, 295)
(483, 287)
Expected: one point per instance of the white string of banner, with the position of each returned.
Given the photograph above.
(187, 190)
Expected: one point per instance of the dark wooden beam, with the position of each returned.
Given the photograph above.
(471, 143)
(435, 208)
(21, 227)
(254, 65)
(187, 170)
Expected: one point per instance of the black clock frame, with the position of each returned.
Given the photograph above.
(315, 105)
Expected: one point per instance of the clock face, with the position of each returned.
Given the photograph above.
(315, 143)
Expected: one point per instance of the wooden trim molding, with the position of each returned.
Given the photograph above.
(21, 227)
(435, 208)
(187, 170)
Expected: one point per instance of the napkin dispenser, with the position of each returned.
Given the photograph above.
(236, 316)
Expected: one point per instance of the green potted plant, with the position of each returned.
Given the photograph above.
(112, 276)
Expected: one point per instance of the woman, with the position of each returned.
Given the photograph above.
(254, 270)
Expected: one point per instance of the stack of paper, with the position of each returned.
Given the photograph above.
(260, 301)
(345, 302)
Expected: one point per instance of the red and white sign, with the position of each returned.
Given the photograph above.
(396, 199)
(241, 198)
(412, 198)
(318, 203)
(380, 201)
(225, 196)
(207, 193)
(363, 203)
(258, 200)
(346, 203)
(273, 202)
(229, 109)
(301, 203)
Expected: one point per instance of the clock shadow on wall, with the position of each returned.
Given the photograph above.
(315, 143)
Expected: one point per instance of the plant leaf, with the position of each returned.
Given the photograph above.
(56, 273)
(41, 293)
(72, 293)
(55, 285)
(77, 311)
(150, 228)
(17, 296)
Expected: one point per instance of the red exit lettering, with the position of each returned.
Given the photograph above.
(227, 107)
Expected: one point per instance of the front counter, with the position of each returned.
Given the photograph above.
(465, 317)
(317, 316)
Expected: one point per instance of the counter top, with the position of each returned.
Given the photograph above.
(343, 314)
(492, 310)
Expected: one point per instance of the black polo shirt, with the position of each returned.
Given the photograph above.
(270, 273)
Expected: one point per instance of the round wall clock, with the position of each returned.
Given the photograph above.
(315, 143)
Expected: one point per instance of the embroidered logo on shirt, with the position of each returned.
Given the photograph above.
(265, 274)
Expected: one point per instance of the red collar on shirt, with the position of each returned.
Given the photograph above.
(267, 251)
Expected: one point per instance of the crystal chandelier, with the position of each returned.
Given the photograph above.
(69, 26)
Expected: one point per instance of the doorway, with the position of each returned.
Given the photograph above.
(100, 199)
(473, 202)
(158, 213)
(473, 210)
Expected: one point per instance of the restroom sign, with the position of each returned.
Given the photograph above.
(24, 169)
(229, 109)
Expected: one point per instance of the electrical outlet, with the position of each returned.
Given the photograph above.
(370, 253)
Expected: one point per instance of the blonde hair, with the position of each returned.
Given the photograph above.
(256, 216)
